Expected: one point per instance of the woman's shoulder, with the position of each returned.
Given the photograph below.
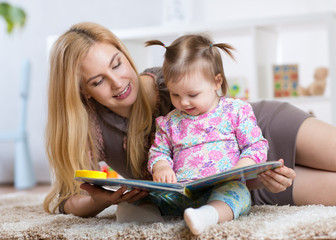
(159, 93)
(148, 83)
(155, 76)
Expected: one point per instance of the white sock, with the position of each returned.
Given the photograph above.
(127, 212)
(201, 218)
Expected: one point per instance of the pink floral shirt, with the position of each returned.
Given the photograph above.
(200, 146)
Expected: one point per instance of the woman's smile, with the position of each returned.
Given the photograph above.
(125, 93)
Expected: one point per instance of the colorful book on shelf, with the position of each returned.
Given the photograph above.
(188, 189)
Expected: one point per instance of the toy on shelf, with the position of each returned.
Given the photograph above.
(317, 87)
(238, 87)
(110, 173)
(285, 80)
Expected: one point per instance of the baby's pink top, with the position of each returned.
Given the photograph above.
(200, 146)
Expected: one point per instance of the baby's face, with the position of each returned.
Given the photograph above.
(194, 94)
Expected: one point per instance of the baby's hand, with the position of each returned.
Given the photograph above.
(164, 173)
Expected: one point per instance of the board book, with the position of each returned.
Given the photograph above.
(188, 189)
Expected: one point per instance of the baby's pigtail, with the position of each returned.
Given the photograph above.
(227, 48)
(154, 42)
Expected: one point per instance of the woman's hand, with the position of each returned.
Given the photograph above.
(99, 199)
(107, 197)
(277, 180)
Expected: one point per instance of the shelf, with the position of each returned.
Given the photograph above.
(303, 99)
(146, 33)
(307, 40)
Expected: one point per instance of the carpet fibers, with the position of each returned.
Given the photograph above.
(22, 217)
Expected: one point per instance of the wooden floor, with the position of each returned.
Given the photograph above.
(40, 188)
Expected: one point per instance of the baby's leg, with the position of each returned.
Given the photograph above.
(226, 202)
(224, 211)
(127, 212)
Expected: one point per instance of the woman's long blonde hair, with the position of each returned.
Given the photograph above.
(71, 138)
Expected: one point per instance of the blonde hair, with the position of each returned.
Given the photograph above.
(190, 52)
(71, 137)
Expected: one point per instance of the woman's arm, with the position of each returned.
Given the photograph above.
(275, 181)
(99, 199)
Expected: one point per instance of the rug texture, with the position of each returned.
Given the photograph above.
(22, 217)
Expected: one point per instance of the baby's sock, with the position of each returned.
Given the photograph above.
(127, 212)
(199, 219)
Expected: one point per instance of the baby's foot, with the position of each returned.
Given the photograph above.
(201, 218)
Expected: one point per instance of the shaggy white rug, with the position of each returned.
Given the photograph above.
(22, 217)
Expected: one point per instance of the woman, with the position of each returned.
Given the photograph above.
(101, 109)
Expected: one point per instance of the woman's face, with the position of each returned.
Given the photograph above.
(109, 78)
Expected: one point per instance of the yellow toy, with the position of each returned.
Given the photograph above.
(90, 174)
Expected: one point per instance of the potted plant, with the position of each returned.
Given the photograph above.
(14, 16)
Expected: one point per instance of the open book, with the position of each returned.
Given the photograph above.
(188, 189)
